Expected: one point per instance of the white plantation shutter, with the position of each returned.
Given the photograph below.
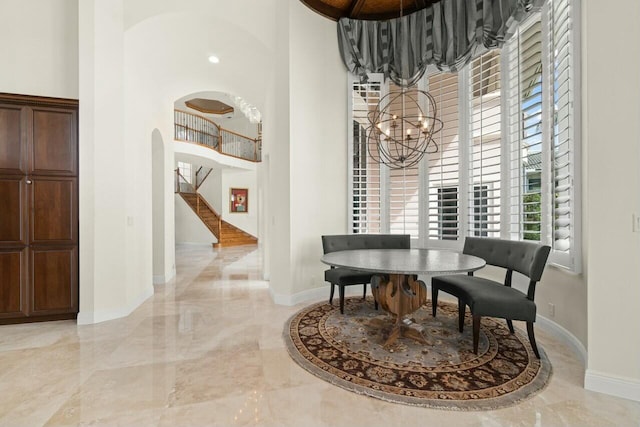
(563, 152)
(508, 159)
(365, 173)
(404, 184)
(443, 172)
(404, 201)
(484, 188)
(543, 194)
(526, 111)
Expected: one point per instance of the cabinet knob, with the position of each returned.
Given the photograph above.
(28, 181)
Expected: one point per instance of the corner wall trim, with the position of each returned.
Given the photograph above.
(161, 279)
(611, 384)
(311, 295)
(567, 337)
(91, 317)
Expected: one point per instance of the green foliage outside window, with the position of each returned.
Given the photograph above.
(532, 217)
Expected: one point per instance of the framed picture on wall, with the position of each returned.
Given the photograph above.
(239, 199)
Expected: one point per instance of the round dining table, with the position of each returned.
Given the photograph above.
(395, 285)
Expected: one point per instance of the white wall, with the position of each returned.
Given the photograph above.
(189, 228)
(211, 189)
(611, 106)
(115, 265)
(318, 143)
(276, 149)
(39, 48)
(158, 172)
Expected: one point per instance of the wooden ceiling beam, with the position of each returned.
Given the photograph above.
(355, 8)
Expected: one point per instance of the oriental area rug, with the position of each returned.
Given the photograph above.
(347, 351)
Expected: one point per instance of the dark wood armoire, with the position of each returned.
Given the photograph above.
(38, 208)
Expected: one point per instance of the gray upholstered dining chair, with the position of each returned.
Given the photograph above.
(489, 298)
(342, 277)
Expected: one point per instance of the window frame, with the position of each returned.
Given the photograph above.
(571, 260)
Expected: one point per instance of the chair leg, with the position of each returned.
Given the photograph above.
(333, 288)
(510, 325)
(341, 289)
(364, 291)
(461, 312)
(476, 332)
(434, 300)
(532, 339)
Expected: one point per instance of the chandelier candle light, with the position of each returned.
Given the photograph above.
(401, 131)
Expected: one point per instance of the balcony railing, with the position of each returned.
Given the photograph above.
(193, 128)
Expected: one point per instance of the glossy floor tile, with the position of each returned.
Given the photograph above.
(206, 350)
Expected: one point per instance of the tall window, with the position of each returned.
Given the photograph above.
(564, 155)
(365, 173)
(404, 185)
(186, 171)
(447, 208)
(526, 127)
(443, 167)
(507, 163)
(485, 144)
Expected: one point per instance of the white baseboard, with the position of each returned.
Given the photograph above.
(312, 295)
(91, 317)
(564, 335)
(611, 384)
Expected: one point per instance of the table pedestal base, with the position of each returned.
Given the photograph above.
(400, 294)
(403, 330)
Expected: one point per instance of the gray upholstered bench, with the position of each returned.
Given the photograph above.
(343, 277)
(489, 298)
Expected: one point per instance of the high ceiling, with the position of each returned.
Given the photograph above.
(366, 9)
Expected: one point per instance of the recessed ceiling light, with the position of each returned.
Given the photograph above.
(214, 59)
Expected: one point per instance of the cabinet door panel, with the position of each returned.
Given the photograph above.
(54, 213)
(12, 281)
(54, 150)
(12, 149)
(12, 211)
(54, 280)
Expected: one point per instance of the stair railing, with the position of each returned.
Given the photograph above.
(200, 130)
(237, 145)
(201, 175)
(193, 128)
(217, 224)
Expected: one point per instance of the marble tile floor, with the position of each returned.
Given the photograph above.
(206, 350)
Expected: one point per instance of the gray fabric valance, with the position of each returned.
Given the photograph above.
(448, 34)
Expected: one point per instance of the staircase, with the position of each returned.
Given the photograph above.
(227, 234)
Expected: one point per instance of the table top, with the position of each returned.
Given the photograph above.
(405, 261)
